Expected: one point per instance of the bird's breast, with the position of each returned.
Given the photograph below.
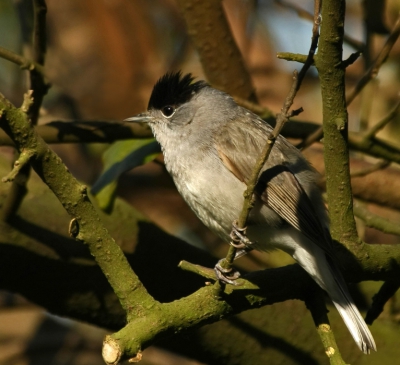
(210, 190)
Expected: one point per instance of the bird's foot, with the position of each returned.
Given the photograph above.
(239, 238)
(241, 245)
(227, 276)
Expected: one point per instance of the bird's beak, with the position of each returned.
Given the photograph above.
(140, 118)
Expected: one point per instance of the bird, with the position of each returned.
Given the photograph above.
(210, 145)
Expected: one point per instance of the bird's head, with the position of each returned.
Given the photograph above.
(177, 99)
(171, 101)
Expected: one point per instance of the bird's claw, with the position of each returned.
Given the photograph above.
(239, 238)
(227, 276)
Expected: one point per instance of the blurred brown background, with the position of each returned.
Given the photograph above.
(103, 58)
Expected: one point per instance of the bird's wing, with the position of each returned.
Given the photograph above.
(279, 189)
(239, 145)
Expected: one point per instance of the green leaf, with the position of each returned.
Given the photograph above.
(121, 156)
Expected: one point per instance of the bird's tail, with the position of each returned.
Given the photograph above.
(328, 276)
(341, 298)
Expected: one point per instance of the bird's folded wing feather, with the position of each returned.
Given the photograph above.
(278, 186)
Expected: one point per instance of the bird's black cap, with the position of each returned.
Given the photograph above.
(174, 89)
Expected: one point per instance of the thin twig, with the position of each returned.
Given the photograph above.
(386, 291)
(198, 270)
(375, 147)
(351, 59)
(366, 143)
(261, 111)
(373, 131)
(37, 81)
(23, 160)
(380, 59)
(21, 61)
(302, 13)
(313, 137)
(370, 169)
(280, 121)
(367, 95)
(375, 221)
(38, 89)
(371, 73)
(363, 171)
(295, 57)
(301, 58)
(39, 31)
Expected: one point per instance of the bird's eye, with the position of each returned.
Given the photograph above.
(168, 111)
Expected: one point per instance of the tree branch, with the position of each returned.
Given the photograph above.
(370, 74)
(302, 13)
(317, 307)
(386, 292)
(86, 132)
(21, 61)
(374, 220)
(376, 65)
(262, 111)
(23, 160)
(288, 56)
(88, 296)
(336, 154)
(32, 104)
(374, 147)
(370, 169)
(73, 196)
(39, 31)
(283, 116)
(373, 131)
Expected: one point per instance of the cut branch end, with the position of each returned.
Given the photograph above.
(111, 351)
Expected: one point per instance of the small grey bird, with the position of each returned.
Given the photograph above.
(210, 146)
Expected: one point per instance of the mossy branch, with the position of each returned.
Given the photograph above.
(336, 154)
(31, 106)
(73, 196)
(258, 288)
(295, 57)
(316, 305)
(207, 305)
(23, 159)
